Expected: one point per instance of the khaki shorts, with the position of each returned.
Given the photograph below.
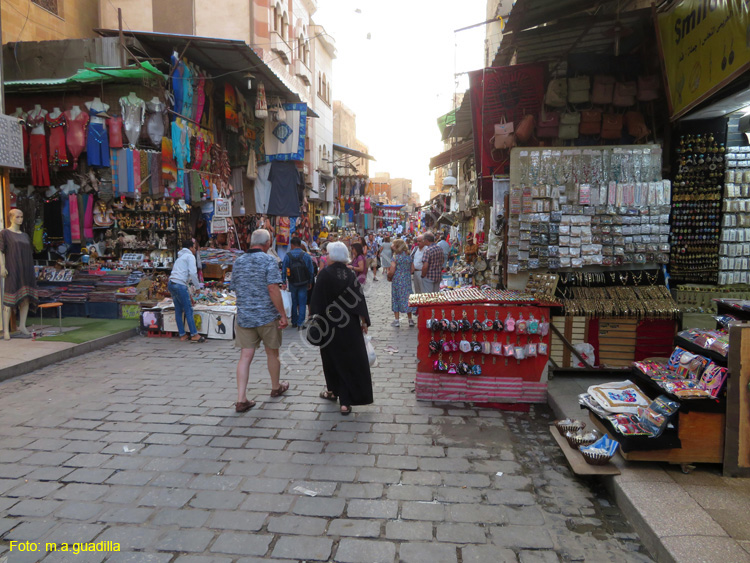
(372, 263)
(269, 334)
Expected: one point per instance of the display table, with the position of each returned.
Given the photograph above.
(492, 377)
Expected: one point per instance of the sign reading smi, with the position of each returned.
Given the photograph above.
(705, 45)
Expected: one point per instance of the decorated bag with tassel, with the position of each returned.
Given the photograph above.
(261, 106)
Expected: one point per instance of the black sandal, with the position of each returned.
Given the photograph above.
(328, 396)
(346, 410)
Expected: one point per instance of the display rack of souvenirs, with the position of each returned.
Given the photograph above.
(696, 211)
(734, 248)
(571, 208)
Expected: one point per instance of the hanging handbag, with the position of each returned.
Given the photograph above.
(557, 93)
(648, 88)
(624, 95)
(222, 207)
(569, 123)
(579, 90)
(219, 225)
(503, 137)
(525, 128)
(636, 125)
(591, 122)
(549, 125)
(611, 126)
(603, 90)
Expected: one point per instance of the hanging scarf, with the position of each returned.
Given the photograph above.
(75, 220)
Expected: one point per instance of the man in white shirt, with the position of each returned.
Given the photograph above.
(445, 247)
(416, 256)
(184, 271)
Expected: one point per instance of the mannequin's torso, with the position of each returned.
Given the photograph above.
(97, 106)
(35, 120)
(73, 112)
(55, 113)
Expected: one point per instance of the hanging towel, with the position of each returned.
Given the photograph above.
(122, 171)
(129, 171)
(88, 219)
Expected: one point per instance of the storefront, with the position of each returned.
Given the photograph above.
(123, 164)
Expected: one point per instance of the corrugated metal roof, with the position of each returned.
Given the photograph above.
(352, 152)
(589, 34)
(461, 128)
(453, 154)
(531, 13)
(215, 55)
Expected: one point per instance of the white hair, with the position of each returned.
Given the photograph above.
(260, 237)
(338, 252)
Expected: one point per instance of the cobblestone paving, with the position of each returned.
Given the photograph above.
(139, 444)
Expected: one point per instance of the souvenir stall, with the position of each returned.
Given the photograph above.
(122, 166)
(388, 217)
(355, 203)
(685, 409)
(482, 345)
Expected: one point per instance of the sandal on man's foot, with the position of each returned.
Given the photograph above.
(345, 410)
(283, 387)
(328, 395)
(200, 340)
(184, 337)
(244, 406)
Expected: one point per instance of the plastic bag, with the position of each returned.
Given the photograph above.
(286, 297)
(372, 358)
(586, 351)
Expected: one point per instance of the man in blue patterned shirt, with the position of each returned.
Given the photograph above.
(260, 314)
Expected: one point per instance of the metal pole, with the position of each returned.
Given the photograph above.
(122, 39)
(2, 85)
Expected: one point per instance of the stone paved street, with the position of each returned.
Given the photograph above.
(139, 444)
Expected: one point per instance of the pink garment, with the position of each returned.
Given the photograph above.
(201, 99)
(137, 173)
(76, 134)
(75, 220)
(88, 219)
(368, 209)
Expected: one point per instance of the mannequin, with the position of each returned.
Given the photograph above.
(155, 124)
(97, 145)
(78, 122)
(133, 114)
(58, 154)
(17, 269)
(38, 147)
(23, 119)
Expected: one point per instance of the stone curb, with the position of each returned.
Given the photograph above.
(78, 350)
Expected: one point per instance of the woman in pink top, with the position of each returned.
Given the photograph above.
(359, 264)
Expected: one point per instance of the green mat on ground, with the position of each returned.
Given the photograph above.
(88, 329)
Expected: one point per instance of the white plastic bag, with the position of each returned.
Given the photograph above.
(586, 351)
(286, 297)
(370, 351)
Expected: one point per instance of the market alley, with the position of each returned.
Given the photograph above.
(139, 444)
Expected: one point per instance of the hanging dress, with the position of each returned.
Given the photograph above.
(97, 145)
(155, 122)
(75, 137)
(20, 283)
(38, 153)
(133, 115)
(58, 154)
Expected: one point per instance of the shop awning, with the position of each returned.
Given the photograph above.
(230, 57)
(590, 34)
(90, 73)
(456, 124)
(453, 154)
(352, 152)
(446, 121)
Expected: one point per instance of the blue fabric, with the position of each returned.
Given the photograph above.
(182, 304)
(299, 304)
(67, 236)
(129, 164)
(97, 145)
(177, 83)
(305, 258)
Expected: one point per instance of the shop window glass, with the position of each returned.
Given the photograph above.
(49, 5)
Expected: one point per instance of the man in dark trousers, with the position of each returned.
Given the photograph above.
(297, 273)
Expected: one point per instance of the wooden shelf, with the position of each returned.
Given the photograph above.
(577, 463)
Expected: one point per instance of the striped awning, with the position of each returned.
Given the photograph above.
(457, 152)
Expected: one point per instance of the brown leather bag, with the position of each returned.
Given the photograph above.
(611, 126)
(591, 122)
(636, 125)
(525, 128)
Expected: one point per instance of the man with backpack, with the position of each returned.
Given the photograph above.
(297, 272)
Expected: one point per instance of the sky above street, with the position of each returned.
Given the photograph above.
(401, 79)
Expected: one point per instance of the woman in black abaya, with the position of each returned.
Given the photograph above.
(343, 320)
